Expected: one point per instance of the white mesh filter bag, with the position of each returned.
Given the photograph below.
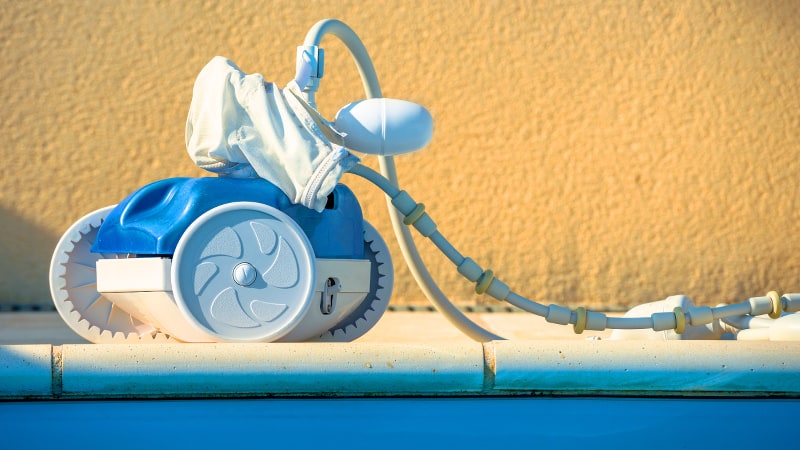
(241, 126)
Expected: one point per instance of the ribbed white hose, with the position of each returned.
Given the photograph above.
(555, 313)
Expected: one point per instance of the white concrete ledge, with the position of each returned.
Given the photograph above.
(680, 368)
(270, 369)
(630, 367)
(26, 371)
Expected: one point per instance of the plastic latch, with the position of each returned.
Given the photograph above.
(332, 288)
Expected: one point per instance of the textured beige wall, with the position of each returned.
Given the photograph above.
(592, 152)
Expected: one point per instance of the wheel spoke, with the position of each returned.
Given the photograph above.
(203, 275)
(267, 311)
(226, 308)
(226, 242)
(283, 272)
(89, 266)
(265, 236)
(86, 285)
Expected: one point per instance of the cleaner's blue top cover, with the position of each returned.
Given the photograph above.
(151, 220)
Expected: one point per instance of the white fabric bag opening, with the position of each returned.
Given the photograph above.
(241, 126)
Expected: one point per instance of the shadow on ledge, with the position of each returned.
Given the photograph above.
(26, 250)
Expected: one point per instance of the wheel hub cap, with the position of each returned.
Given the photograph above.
(244, 274)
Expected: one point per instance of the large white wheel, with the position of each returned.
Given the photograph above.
(244, 272)
(381, 281)
(73, 286)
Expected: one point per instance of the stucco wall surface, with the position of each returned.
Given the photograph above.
(602, 153)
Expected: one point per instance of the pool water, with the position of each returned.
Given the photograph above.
(354, 423)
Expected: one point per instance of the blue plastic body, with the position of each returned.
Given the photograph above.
(151, 220)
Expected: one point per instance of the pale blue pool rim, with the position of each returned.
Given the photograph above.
(499, 368)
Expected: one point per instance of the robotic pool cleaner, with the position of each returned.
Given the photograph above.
(274, 250)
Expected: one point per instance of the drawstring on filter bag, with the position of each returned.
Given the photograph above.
(241, 126)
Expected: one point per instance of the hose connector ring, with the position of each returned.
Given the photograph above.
(777, 305)
(680, 320)
(580, 322)
(484, 281)
(414, 215)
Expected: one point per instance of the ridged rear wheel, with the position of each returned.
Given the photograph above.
(380, 291)
(73, 286)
